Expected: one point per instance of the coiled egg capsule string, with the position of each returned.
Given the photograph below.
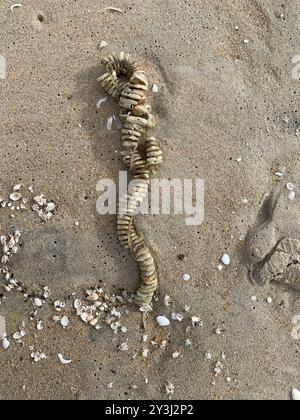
(125, 80)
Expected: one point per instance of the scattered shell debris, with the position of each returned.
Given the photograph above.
(43, 207)
(38, 356)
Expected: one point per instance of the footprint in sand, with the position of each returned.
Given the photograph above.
(273, 244)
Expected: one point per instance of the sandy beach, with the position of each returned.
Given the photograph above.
(227, 112)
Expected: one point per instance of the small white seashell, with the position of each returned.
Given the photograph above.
(155, 88)
(269, 300)
(19, 335)
(162, 321)
(64, 321)
(63, 360)
(296, 395)
(196, 321)
(225, 259)
(186, 277)
(176, 354)
(50, 207)
(17, 187)
(77, 303)
(16, 196)
(37, 302)
(5, 343)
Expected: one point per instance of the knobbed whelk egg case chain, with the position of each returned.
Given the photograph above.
(125, 80)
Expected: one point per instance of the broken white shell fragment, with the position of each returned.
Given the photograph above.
(155, 88)
(100, 102)
(290, 186)
(110, 123)
(124, 347)
(15, 6)
(176, 354)
(167, 300)
(39, 326)
(103, 44)
(19, 335)
(5, 343)
(296, 395)
(37, 302)
(15, 196)
(176, 316)
(50, 207)
(196, 321)
(63, 360)
(37, 356)
(225, 259)
(170, 388)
